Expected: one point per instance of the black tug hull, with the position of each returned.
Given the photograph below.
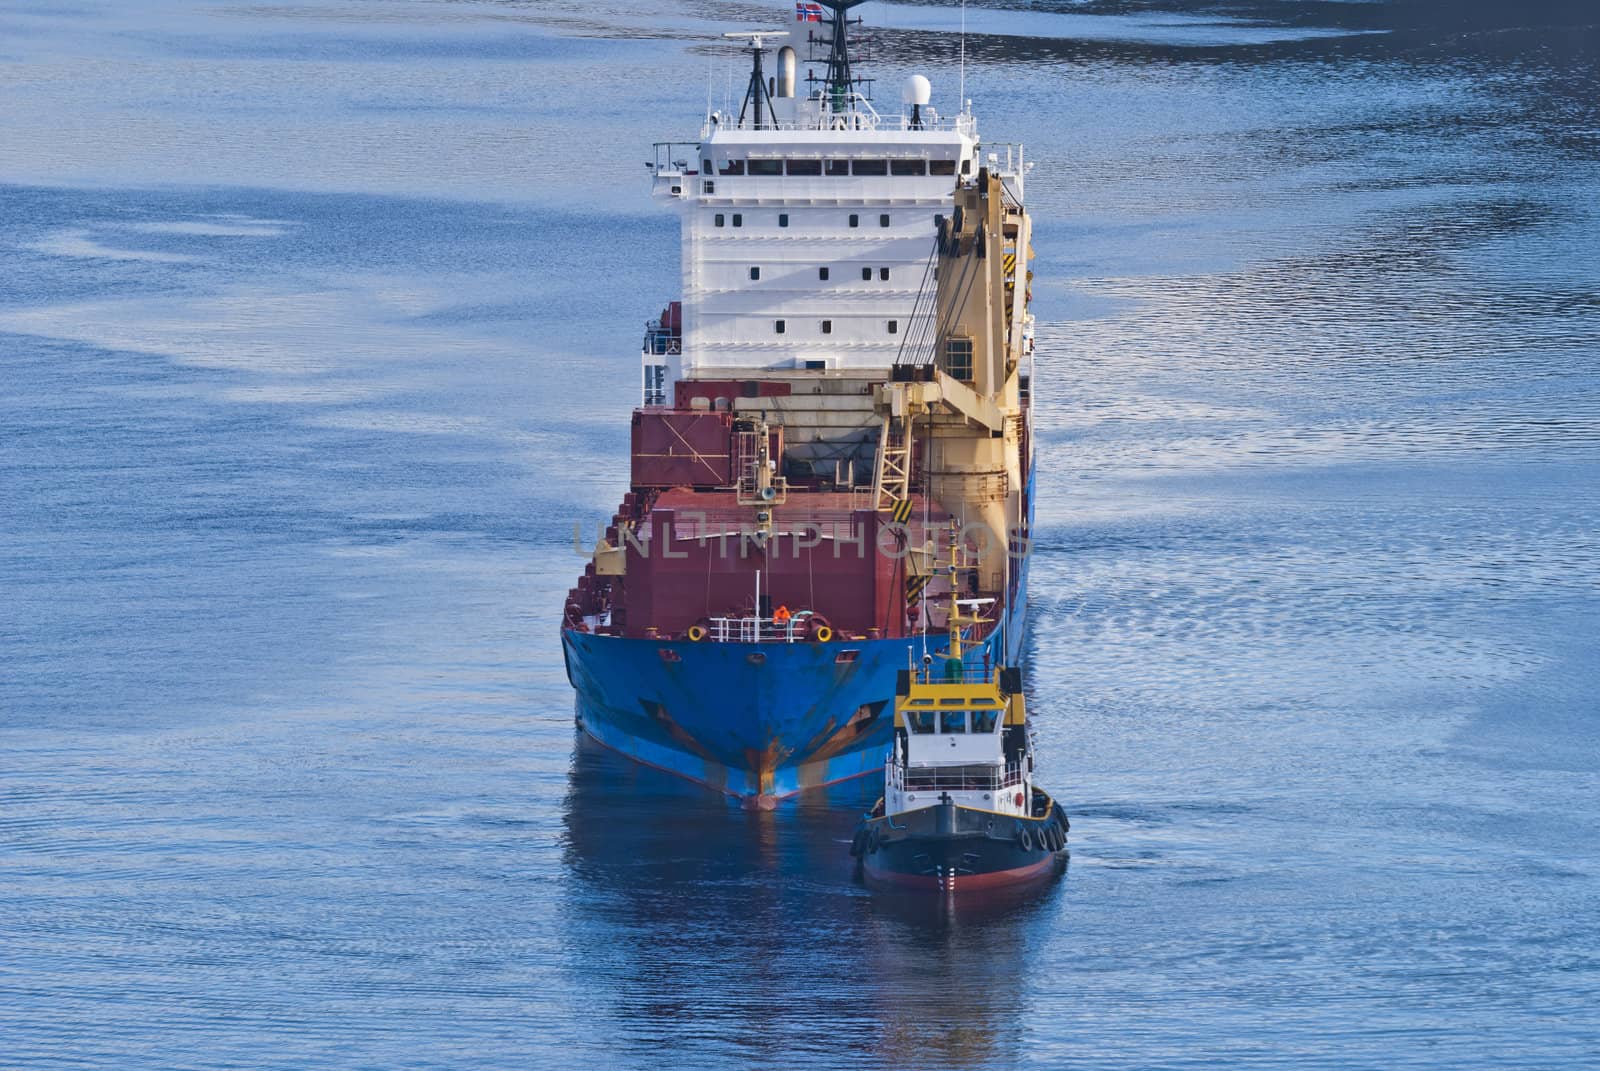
(949, 848)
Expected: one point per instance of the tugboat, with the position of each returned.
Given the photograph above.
(960, 810)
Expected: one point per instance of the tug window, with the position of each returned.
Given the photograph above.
(952, 721)
(738, 220)
(707, 167)
(755, 273)
(872, 167)
(866, 275)
(836, 168)
(778, 326)
(921, 721)
(883, 220)
(983, 720)
(894, 327)
(941, 167)
(805, 167)
(720, 219)
(908, 167)
(822, 273)
(883, 274)
(731, 167)
(827, 327)
(783, 219)
(766, 167)
(855, 220)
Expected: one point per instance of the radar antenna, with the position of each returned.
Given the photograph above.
(839, 84)
(757, 91)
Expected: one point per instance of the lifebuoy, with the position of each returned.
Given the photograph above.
(823, 633)
(696, 633)
(1025, 838)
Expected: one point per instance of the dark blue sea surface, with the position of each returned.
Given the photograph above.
(318, 333)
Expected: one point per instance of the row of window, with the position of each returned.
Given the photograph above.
(822, 274)
(721, 218)
(953, 721)
(781, 327)
(834, 168)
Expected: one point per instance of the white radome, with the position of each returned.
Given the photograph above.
(916, 90)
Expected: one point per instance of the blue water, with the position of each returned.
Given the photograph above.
(318, 326)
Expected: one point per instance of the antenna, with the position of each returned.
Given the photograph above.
(757, 92)
(839, 83)
(962, 95)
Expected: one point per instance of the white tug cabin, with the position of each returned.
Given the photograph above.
(807, 218)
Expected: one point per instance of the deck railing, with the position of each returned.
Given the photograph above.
(955, 778)
(759, 629)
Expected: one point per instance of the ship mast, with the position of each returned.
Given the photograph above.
(839, 83)
(757, 91)
(954, 653)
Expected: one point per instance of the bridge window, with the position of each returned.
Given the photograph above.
(983, 720)
(952, 721)
(707, 166)
(731, 167)
(766, 167)
(921, 720)
(908, 167)
(941, 167)
(805, 167)
(836, 168)
(872, 167)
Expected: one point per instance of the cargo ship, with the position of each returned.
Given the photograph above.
(846, 372)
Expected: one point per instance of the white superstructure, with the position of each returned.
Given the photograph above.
(808, 226)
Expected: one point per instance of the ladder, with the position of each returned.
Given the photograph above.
(891, 484)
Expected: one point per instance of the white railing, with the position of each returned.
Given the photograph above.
(759, 629)
(955, 778)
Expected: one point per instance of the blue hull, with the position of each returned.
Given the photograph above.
(753, 720)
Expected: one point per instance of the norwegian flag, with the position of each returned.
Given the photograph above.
(808, 13)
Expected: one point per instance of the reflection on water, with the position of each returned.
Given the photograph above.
(714, 911)
(315, 329)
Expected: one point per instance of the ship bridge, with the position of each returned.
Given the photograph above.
(807, 221)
